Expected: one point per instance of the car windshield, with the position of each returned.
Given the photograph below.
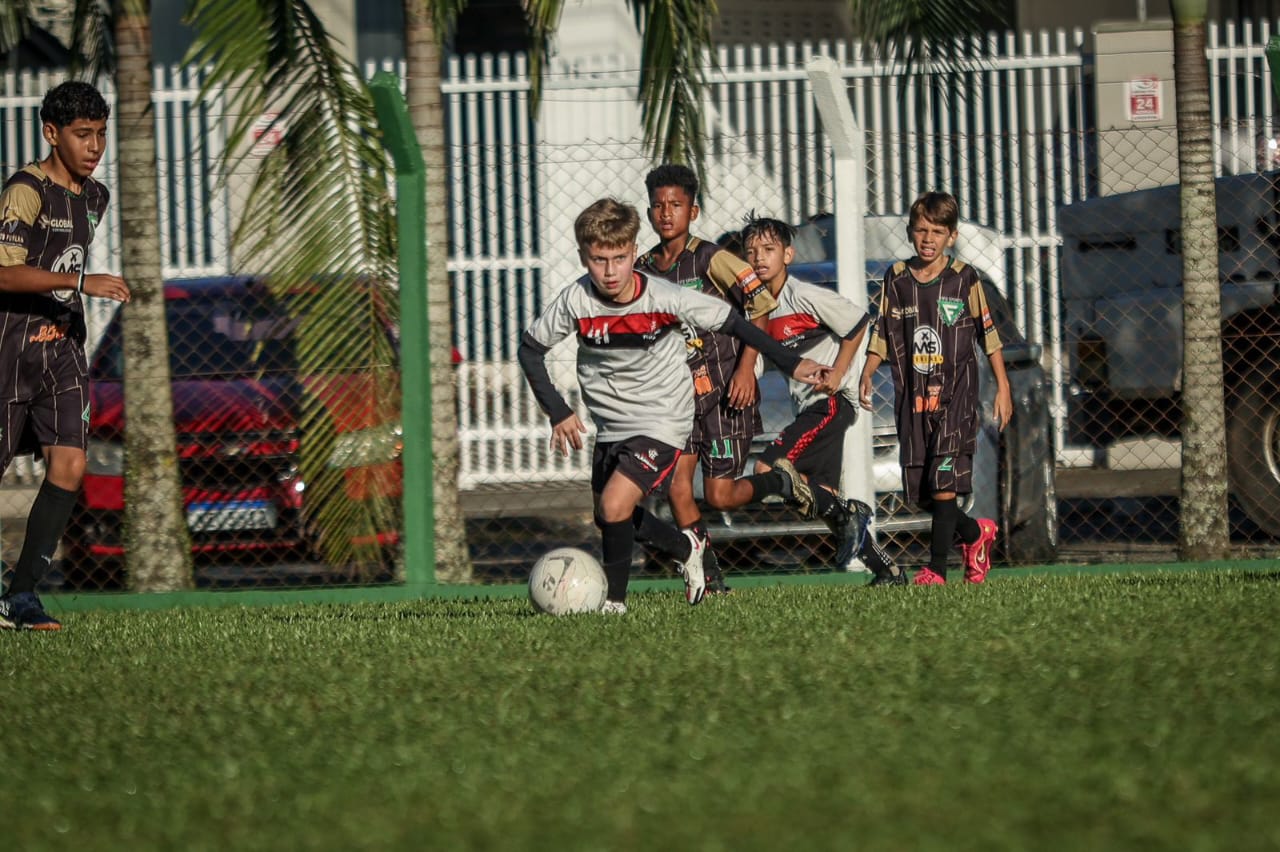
(222, 337)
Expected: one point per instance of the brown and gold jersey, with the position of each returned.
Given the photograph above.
(710, 269)
(43, 224)
(926, 331)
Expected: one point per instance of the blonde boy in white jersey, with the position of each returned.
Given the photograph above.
(635, 384)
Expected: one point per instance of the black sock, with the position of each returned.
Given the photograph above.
(945, 515)
(826, 505)
(616, 541)
(766, 484)
(967, 527)
(662, 535)
(45, 525)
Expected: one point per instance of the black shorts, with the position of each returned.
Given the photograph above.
(646, 462)
(45, 398)
(939, 473)
(721, 438)
(814, 442)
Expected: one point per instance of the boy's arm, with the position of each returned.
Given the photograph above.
(737, 279)
(532, 358)
(800, 369)
(742, 384)
(1003, 410)
(844, 358)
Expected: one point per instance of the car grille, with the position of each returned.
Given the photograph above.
(237, 461)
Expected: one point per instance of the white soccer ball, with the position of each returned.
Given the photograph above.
(567, 580)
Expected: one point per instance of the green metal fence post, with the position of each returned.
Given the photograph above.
(415, 373)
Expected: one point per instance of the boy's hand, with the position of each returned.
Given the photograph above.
(810, 372)
(106, 287)
(1003, 408)
(864, 391)
(830, 384)
(742, 388)
(567, 433)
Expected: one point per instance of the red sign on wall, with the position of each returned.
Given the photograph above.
(1144, 101)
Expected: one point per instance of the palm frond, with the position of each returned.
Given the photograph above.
(93, 44)
(319, 223)
(674, 54)
(543, 17)
(15, 22)
(921, 35)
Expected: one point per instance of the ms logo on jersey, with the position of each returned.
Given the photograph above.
(926, 349)
(71, 260)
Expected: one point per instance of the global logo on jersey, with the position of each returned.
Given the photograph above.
(72, 261)
(926, 349)
(55, 223)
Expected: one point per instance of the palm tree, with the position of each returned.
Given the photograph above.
(1203, 532)
(117, 37)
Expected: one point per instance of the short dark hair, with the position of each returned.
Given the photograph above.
(940, 208)
(74, 99)
(672, 174)
(757, 227)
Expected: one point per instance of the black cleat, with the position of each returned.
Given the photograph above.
(853, 528)
(711, 567)
(881, 565)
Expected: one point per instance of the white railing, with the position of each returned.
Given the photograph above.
(1008, 133)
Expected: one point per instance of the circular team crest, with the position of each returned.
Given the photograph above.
(71, 260)
(926, 349)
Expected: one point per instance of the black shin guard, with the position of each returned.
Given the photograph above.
(45, 525)
(966, 527)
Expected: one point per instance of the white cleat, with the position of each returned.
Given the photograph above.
(695, 580)
(614, 608)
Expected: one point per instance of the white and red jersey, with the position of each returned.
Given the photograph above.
(811, 321)
(631, 357)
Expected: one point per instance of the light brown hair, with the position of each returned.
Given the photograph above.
(608, 223)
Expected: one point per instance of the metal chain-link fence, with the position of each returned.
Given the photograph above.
(1076, 229)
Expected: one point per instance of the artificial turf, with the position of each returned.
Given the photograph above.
(1088, 711)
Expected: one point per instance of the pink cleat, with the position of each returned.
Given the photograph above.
(977, 556)
(928, 577)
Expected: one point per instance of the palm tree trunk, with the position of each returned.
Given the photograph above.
(1204, 532)
(453, 562)
(158, 553)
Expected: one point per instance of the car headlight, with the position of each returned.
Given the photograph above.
(376, 445)
(104, 458)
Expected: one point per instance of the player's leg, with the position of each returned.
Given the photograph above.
(977, 536)
(621, 476)
(14, 412)
(57, 420)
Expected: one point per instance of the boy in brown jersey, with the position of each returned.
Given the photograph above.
(932, 312)
(727, 412)
(48, 213)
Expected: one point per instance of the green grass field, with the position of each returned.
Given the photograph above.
(1099, 712)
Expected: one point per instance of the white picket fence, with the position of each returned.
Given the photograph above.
(1009, 134)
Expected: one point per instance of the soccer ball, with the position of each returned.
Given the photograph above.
(567, 580)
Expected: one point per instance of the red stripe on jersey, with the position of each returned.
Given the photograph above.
(650, 322)
(787, 327)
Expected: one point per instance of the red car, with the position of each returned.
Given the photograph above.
(236, 392)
